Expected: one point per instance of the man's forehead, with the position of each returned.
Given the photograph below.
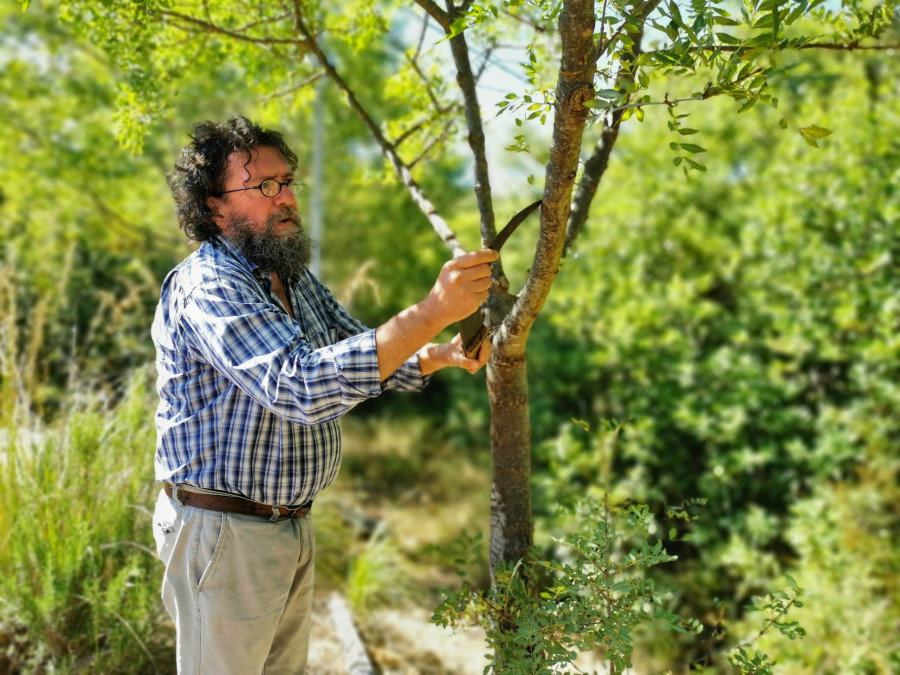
(261, 162)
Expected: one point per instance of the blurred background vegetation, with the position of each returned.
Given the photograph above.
(733, 338)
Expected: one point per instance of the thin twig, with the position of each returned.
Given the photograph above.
(422, 37)
(532, 24)
(308, 81)
(435, 141)
(484, 62)
(254, 24)
(428, 90)
(213, 28)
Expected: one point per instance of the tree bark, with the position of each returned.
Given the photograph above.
(511, 526)
(596, 165)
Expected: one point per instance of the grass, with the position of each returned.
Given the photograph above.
(81, 578)
(79, 575)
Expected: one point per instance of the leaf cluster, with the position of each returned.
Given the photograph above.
(542, 612)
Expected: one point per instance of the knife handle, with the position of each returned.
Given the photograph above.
(472, 347)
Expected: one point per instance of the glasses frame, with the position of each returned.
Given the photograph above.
(286, 184)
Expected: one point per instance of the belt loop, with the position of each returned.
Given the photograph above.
(175, 493)
(276, 514)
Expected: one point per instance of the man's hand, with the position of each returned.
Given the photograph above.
(461, 287)
(433, 357)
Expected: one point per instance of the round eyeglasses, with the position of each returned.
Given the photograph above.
(270, 187)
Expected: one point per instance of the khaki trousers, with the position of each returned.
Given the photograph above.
(239, 589)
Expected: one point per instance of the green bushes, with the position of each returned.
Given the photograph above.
(81, 583)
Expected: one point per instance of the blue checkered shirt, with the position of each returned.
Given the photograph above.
(249, 397)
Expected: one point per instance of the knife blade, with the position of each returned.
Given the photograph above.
(472, 329)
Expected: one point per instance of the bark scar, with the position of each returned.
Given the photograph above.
(576, 97)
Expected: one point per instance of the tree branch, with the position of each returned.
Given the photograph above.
(436, 13)
(845, 47)
(465, 78)
(594, 169)
(439, 224)
(213, 28)
(598, 162)
(574, 87)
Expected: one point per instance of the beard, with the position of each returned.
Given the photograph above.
(288, 252)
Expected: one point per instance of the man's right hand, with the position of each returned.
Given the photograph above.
(462, 286)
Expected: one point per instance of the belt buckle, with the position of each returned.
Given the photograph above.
(276, 514)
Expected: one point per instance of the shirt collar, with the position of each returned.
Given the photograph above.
(228, 248)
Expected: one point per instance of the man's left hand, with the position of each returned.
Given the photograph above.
(433, 357)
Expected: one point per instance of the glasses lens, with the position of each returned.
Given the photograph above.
(270, 188)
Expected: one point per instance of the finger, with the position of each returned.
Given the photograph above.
(473, 258)
(481, 285)
(472, 366)
(478, 272)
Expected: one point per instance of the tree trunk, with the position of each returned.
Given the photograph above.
(511, 526)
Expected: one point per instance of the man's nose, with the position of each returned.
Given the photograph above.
(286, 197)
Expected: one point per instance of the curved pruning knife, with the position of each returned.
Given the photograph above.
(472, 329)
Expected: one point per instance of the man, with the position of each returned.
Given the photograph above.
(256, 361)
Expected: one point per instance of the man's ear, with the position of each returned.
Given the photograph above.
(213, 204)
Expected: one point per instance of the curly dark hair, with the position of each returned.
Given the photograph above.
(201, 172)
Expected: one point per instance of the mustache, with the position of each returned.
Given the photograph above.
(284, 213)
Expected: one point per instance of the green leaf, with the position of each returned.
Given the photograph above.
(816, 131)
(765, 22)
(687, 132)
(727, 39)
(690, 147)
(783, 123)
(696, 165)
(749, 103)
(676, 14)
(813, 132)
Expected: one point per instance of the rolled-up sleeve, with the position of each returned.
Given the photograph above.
(407, 377)
(240, 333)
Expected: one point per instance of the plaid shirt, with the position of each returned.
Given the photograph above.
(249, 397)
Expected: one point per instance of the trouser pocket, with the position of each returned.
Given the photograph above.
(164, 524)
(209, 539)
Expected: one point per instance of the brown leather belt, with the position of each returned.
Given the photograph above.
(184, 495)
